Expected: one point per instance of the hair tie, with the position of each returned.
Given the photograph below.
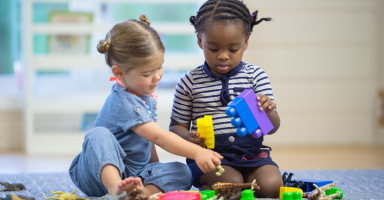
(252, 15)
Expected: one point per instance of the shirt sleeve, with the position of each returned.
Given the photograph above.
(261, 84)
(131, 112)
(182, 100)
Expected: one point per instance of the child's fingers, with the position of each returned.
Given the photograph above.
(218, 155)
(194, 134)
(211, 164)
(216, 161)
(272, 106)
(198, 141)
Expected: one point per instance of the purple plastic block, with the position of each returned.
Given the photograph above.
(257, 133)
(238, 108)
(260, 116)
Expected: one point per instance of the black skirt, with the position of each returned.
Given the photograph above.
(237, 152)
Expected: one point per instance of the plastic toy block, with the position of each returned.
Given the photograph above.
(242, 117)
(334, 191)
(205, 130)
(247, 195)
(308, 184)
(207, 194)
(173, 195)
(260, 116)
(292, 196)
(289, 189)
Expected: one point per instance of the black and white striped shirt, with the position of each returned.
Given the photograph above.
(200, 92)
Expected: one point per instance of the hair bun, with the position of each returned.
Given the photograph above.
(143, 18)
(103, 46)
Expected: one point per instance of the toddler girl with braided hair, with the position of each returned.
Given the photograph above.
(118, 154)
(223, 28)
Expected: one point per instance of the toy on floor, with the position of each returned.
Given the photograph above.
(177, 195)
(228, 188)
(12, 187)
(65, 196)
(334, 191)
(220, 170)
(319, 193)
(292, 196)
(16, 197)
(205, 130)
(289, 189)
(207, 194)
(308, 184)
(287, 181)
(247, 115)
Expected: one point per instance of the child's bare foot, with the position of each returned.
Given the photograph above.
(129, 185)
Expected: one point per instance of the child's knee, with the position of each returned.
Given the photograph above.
(270, 188)
(183, 175)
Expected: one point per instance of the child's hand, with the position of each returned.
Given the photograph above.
(193, 137)
(266, 103)
(207, 160)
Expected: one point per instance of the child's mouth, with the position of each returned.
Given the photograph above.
(223, 67)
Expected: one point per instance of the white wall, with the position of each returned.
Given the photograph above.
(320, 57)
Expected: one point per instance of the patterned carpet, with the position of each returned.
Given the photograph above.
(356, 184)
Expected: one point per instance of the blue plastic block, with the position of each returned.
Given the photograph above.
(242, 117)
(308, 184)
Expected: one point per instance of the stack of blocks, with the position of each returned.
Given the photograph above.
(205, 130)
(247, 116)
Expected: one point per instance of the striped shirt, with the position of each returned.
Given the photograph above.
(200, 92)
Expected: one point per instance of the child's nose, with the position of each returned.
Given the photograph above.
(223, 56)
(157, 77)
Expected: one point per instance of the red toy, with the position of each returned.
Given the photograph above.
(180, 195)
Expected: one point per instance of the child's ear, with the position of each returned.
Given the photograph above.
(199, 41)
(246, 43)
(118, 72)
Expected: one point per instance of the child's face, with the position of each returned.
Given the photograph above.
(142, 80)
(223, 46)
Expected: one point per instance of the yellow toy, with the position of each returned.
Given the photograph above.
(289, 189)
(65, 196)
(205, 130)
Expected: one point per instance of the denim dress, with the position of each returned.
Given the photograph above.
(112, 141)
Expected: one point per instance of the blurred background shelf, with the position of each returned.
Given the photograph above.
(62, 87)
(57, 62)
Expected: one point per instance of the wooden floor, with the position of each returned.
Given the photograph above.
(287, 158)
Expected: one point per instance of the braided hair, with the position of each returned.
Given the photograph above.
(225, 11)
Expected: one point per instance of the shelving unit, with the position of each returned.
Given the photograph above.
(64, 142)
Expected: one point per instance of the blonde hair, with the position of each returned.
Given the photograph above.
(130, 43)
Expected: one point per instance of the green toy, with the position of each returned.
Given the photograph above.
(292, 195)
(207, 194)
(334, 191)
(247, 195)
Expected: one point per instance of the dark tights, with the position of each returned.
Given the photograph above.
(268, 177)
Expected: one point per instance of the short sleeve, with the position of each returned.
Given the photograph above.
(182, 101)
(132, 112)
(262, 84)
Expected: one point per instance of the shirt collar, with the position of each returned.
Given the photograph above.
(233, 72)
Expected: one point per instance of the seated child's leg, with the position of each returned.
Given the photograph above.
(231, 175)
(268, 177)
(100, 148)
(164, 177)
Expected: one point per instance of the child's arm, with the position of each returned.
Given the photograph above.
(182, 129)
(205, 158)
(267, 104)
(154, 157)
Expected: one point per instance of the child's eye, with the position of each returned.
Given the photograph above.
(233, 51)
(213, 50)
(146, 75)
(160, 67)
